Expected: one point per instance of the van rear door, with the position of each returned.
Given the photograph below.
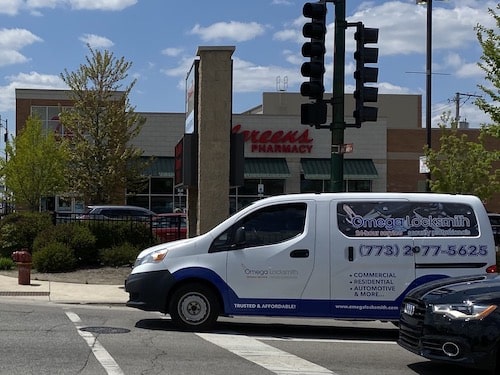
(447, 240)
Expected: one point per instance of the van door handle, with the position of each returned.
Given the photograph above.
(350, 253)
(299, 253)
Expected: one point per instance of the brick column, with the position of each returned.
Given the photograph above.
(214, 129)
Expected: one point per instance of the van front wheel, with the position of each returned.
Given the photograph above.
(194, 307)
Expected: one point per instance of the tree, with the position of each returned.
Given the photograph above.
(102, 123)
(36, 165)
(461, 166)
(489, 40)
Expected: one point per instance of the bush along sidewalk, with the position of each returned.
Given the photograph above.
(69, 246)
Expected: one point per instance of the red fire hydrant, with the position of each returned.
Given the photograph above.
(23, 261)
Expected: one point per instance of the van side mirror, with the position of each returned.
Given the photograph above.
(240, 237)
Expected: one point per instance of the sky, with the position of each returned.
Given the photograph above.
(40, 39)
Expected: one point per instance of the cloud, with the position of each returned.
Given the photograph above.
(234, 31)
(11, 41)
(96, 41)
(37, 4)
(11, 7)
(32, 80)
(282, 2)
(452, 24)
(469, 70)
(249, 77)
(172, 51)
(112, 5)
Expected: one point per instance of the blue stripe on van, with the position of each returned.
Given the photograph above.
(338, 309)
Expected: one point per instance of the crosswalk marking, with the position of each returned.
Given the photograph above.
(272, 359)
(101, 354)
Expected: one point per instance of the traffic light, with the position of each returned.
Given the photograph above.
(365, 55)
(314, 49)
(314, 114)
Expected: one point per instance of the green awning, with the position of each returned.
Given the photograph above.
(161, 166)
(266, 168)
(354, 169)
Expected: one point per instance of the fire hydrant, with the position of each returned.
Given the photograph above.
(23, 261)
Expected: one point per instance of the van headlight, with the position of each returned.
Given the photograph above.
(464, 311)
(154, 257)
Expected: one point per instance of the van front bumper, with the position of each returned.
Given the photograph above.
(148, 290)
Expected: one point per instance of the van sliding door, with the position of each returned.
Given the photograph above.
(371, 268)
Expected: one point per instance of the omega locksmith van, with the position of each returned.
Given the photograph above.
(336, 255)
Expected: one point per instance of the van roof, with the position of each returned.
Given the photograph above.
(471, 199)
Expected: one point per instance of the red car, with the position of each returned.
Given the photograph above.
(170, 227)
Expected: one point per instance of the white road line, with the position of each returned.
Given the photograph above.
(104, 358)
(272, 359)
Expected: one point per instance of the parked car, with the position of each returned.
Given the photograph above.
(495, 225)
(455, 320)
(170, 227)
(116, 213)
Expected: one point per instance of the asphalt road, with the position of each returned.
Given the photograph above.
(44, 338)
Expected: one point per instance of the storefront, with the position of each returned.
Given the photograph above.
(281, 155)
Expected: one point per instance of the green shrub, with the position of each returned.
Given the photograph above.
(18, 230)
(119, 255)
(76, 236)
(55, 257)
(6, 263)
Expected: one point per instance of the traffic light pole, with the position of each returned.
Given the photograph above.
(315, 113)
(338, 124)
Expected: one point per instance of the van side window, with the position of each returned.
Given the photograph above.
(406, 219)
(266, 226)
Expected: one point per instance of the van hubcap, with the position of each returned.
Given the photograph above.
(194, 308)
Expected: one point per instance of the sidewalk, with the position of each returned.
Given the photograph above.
(63, 292)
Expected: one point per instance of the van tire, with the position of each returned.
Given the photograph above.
(194, 307)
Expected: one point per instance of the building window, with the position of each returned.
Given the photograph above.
(158, 195)
(358, 185)
(49, 115)
(242, 196)
(322, 186)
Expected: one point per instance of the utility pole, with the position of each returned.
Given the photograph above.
(457, 104)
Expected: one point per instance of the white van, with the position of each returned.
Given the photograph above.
(335, 255)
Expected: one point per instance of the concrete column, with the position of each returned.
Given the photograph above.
(214, 129)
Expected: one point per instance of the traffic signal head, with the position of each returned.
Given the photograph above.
(314, 49)
(363, 74)
(313, 114)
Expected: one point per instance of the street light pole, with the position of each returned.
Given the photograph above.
(428, 88)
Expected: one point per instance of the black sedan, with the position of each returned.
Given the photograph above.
(454, 320)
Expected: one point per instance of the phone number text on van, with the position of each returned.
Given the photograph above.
(423, 250)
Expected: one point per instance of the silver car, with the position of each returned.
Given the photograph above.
(116, 213)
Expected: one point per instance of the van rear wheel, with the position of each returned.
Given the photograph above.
(194, 307)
